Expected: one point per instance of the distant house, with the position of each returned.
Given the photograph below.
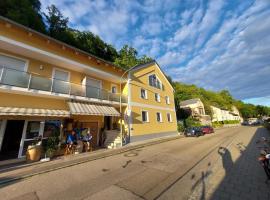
(196, 108)
(220, 115)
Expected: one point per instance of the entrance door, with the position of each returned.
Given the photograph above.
(12, 139)
(93, 130)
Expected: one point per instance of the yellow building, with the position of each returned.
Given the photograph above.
(49, 88)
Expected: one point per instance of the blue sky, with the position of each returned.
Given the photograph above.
(215, 44)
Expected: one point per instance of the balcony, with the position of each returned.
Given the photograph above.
(11, 77)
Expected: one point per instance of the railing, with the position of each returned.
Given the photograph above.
(12, 77)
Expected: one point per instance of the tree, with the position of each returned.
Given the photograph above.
(25, 12)
(92, 43)
(57, 26)
(128, 57)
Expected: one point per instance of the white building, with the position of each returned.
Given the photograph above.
(222, 115)
(196, 107)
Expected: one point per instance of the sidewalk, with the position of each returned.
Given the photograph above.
(22, 171)
(237, 173)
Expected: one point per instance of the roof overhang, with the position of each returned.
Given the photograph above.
(54, 59)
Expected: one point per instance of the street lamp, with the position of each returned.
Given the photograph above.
(120, 102)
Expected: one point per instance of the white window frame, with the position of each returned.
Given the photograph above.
(40, 133)
(146, 94)
(160, 116)
(18, 58)
(147, 116)
(3, 125)
(100, 81)
(161, 85)
(59, 69)
(170, 117)
(167, 99)
(158, 99)
(113, 85)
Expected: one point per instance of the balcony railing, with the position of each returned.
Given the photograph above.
(12, 77)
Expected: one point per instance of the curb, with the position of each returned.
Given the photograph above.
(90, 158)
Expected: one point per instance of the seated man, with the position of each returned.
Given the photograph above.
(87, 137)
(71, 142)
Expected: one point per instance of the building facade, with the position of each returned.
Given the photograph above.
(196, 108)
(48, 87)
(219, 115)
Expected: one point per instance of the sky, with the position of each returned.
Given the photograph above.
(215, 44)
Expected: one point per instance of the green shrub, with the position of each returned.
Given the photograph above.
(180, 127)
(191, 122)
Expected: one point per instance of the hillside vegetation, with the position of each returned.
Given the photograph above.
(222, 99)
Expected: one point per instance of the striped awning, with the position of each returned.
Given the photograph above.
(12, 111)
(83, 108)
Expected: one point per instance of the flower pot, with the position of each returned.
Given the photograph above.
(33, 153)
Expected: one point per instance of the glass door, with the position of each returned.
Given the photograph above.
(32, 130)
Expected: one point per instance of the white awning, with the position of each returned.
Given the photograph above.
(13, 111)
(83, 108)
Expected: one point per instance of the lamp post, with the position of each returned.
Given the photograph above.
(120, 102)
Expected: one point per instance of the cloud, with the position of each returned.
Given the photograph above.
(214, 44)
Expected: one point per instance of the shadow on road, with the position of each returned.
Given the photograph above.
(244, 178)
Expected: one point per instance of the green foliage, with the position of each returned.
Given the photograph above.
(222, 99)
(25, 12)
(128, 57)
(191, 122)
(217, 124)
(231, 121)
(180, 127)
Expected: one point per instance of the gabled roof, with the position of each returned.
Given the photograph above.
(189, 101)
(141, 66)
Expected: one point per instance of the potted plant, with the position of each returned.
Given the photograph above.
(33, 152)
(51, 146)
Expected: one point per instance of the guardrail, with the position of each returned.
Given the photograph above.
(12, 77)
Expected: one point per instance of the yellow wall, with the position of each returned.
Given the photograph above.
(41, 42)
(140, 80)
(24, 101)
(47, 71)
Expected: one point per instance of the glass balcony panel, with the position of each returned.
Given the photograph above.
(114, 97)
(61, 87)
(77, 90)
(92, 92)
(104, 95)
(40, 83)
(15, 78)
(124, 99)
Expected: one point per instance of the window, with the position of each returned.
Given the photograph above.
(61, 81)
(52, 128)
(145, 116)
(143, 94)
(159, 117)
(93, 88)
(12, 63)
(154, 81)
(114, 90)
(167, 100)
(157, 97)
(169, 117)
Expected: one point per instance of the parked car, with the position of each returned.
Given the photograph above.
(207, 129)
(193, 131)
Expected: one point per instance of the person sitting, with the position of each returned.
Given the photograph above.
(71, 143)
(87, 140)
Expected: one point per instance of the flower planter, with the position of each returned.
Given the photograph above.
(33, 153)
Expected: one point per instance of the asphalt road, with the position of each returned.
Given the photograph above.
(167, 170)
